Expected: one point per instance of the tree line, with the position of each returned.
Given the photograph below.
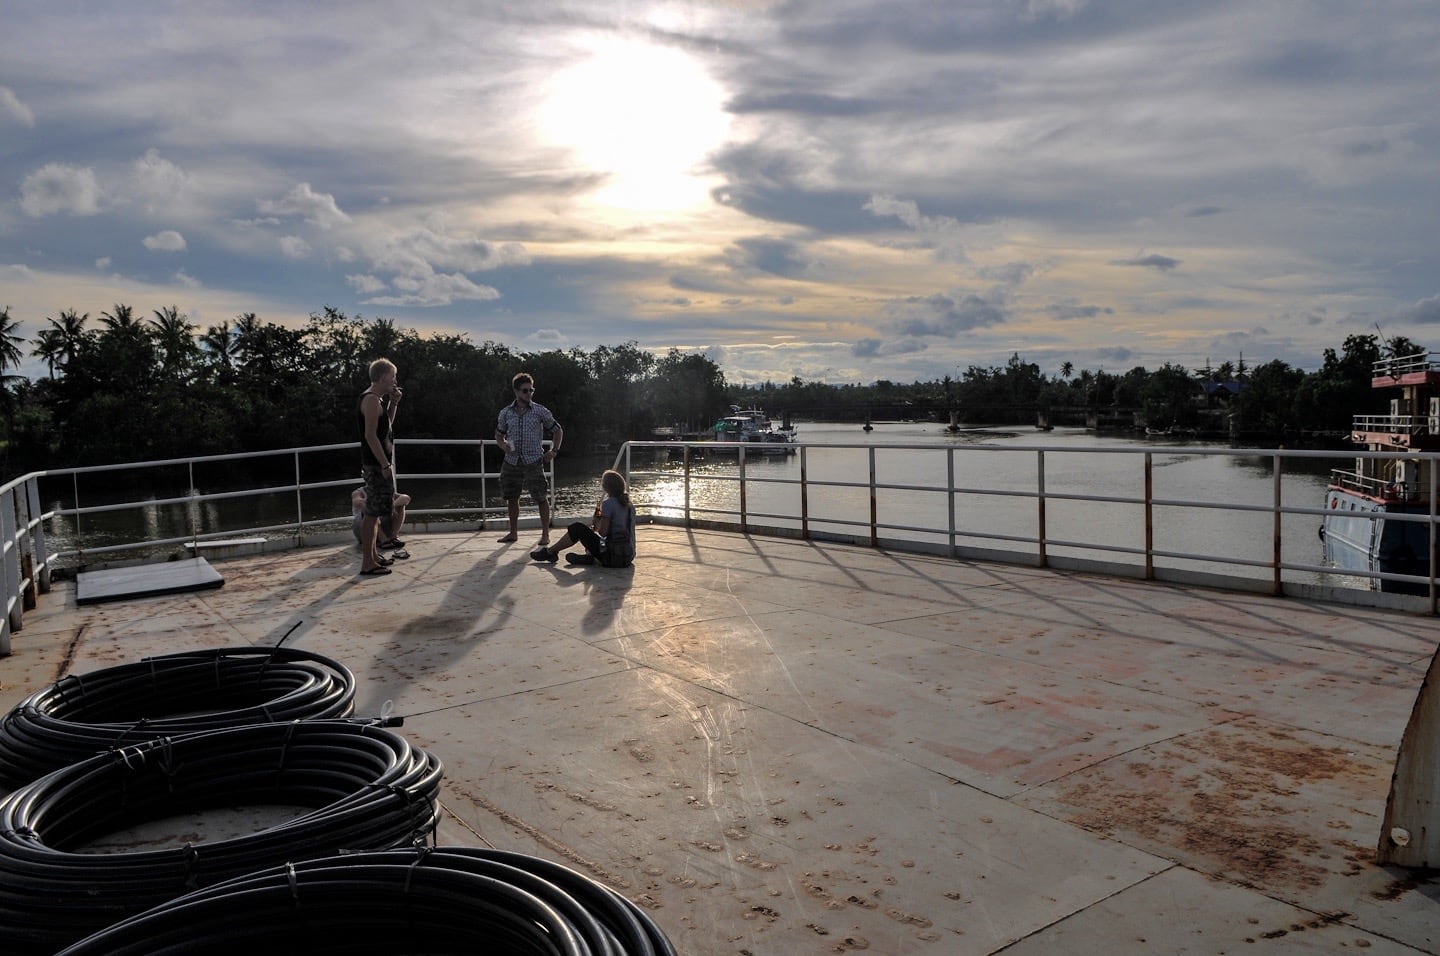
(125, 387)
(1270, 401)
(128, 387)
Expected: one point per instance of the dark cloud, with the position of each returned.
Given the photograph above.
(694, 281)
(943, 26)
(778, 257)
(877, 348)
(1424, 312)
(942, 315)
(1152, 261)
(1206, 211)
(1304, 62)
(1065, 312)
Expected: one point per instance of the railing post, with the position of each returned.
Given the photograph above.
(744, 515)
(300, 508)
(1434, 591)
(804, 496)
(192, 511)
(1040, 512)
(950, 496)
(79, 535)
(1276, 587)
(13, 604)
(484, 487)
(1149, 516)
(874, 505)
(687, 484)
(38, 547)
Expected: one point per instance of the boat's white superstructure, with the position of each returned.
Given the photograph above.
(1361, 529)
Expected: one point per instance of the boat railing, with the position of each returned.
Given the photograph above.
(1035, 505)
(1397, 365)
(1128, 532)
(1371, 486)
(49, 520)
(1412, 425)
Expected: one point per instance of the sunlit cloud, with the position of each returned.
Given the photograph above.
(60, 188)
(13, 108)
(294, 247)
(942, 233)
(155, 182)
(166, 241)
(302, 202)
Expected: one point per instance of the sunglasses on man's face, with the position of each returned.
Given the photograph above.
(525, 391)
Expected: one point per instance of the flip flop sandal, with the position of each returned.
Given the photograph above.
(383, 561)
(378, 569)
(402, 554)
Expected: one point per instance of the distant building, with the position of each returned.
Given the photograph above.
(1221, 392)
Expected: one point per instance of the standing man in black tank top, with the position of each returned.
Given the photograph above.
(378, 404)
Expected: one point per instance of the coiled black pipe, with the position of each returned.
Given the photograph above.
(368, 787)
(80, 716)
(440, 900)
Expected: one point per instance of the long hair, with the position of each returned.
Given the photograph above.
(614, 484)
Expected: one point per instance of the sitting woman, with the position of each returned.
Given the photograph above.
(610, 538)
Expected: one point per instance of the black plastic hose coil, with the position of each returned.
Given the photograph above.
(368, 788)
(441, 900)
(80, 716)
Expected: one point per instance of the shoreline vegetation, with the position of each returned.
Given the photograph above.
(123, 387)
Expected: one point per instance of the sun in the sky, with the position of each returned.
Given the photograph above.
(642, 115)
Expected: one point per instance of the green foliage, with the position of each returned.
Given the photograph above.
(132, 388)
(135, 389)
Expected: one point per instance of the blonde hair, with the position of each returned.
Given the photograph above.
(379, 367)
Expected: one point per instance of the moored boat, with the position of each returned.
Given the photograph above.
(1360, 529)
(753, 426)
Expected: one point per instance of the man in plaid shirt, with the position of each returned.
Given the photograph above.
(520, 433)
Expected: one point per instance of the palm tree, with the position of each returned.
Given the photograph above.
(1067, 369)
(10, 341)
(218, 343)
(175, 336)
(50, 348)
(247, 330)
(70, 331)
(120, 317)
(10, 357)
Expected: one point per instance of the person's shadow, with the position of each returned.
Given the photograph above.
(605, 587)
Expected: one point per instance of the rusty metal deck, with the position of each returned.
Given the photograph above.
(783, 748)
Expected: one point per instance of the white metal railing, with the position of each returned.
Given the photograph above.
(35, 542)
(1040, 544)
(34, 545)
(1393, 424)
(1397, 365)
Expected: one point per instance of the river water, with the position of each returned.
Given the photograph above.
(986, 461)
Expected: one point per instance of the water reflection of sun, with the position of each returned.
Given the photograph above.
(643, 116)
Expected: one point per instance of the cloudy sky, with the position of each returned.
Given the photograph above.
(842, 190)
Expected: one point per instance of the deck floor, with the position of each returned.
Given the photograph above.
(781, 747)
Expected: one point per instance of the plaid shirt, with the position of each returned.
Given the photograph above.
(526, 431)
